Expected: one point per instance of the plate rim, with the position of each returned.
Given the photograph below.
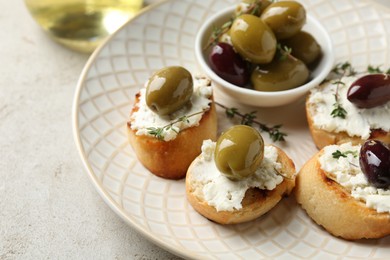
(77, 139)
(113, 205)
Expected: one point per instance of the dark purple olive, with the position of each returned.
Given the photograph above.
(229, 65)
(374, 161)
(370, 91)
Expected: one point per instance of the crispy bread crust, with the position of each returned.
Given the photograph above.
(332, 207)
(171, 159)
(255, 203)
(323, 138)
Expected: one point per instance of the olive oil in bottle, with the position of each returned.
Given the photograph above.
(82, 24)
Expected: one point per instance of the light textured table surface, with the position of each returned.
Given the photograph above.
(48, 206)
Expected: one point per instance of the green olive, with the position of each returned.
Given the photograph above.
(258, 6)
(285, 18)
(304, 47)
(239, 152)
(280, 75)
(253, 39)
(169, 89)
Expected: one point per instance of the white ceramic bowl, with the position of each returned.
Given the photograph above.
(262, 98)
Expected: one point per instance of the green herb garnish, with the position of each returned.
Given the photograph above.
(338, 110)
(372, 69)
(285, 52)
(339, 154)
(158, 132)
(249, 119)
(344, 69)
(217, 32)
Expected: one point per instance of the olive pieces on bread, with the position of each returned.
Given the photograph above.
(335, 115)
(335, 193)
(169, 121)
(239, 192)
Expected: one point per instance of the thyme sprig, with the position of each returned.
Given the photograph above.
(376, 69)
(338, 110)
(249, 119)
(339, 154)
(217, 32)
(341, 69)
(285, 52)
(373, 69)
(344, 69)
(158, 132)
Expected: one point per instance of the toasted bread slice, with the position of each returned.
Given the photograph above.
(332, 206)
(171, 159)
(323, 138)
(255, 203)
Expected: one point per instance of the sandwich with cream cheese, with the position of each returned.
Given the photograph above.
(351, 109)
(346, 189)
(171, 117)
(237, 178)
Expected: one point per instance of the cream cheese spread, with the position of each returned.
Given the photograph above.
(143, 119)
(358, 122)
(224, 194)
(346, 171)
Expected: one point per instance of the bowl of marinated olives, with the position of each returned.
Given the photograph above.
(263, 53)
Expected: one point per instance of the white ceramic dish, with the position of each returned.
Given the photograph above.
(252, 97)
(164, 35)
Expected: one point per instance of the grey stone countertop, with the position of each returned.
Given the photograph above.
(48, 207)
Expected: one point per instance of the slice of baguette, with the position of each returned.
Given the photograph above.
(255, 203)
(332, 206)
(323, 138)
(171, 159)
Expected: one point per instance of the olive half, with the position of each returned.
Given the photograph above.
(285, 18)
(168, 90)
(280, 75)
(239, 152)
(253, 39)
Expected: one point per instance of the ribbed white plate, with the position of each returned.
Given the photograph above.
(164, 35)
